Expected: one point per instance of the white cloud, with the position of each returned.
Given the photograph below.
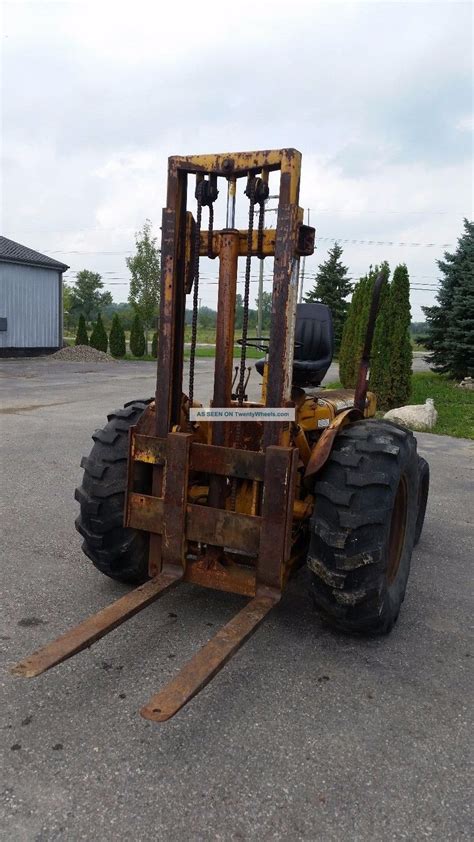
(97, 95)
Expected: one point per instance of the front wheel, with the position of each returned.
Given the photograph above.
(364, 525)
(115, 550)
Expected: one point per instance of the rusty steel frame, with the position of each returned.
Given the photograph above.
(209, 660)
(173, 258)
(86, 633)
(285, 243)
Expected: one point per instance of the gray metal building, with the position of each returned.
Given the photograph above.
(31, 308)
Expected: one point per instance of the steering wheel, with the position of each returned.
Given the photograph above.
(257, 342)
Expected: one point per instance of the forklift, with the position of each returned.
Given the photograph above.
(238, 495)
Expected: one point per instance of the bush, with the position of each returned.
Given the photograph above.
(117, 337)
(137, 337)
(81, 335)
(154, 345)
(98, 338)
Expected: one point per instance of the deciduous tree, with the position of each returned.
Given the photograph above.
(145, 270)
(86, 296)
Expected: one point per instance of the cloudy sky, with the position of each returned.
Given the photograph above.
(376, 95)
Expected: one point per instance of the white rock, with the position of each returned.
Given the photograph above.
(467, 383)
(416, 417)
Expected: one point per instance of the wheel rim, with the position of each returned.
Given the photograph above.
(397, 531)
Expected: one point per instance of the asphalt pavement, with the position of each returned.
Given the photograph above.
(305, 735)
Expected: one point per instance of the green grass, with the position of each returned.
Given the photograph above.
(252, 354)
(147, 358)
(455, 406)
(204, 334)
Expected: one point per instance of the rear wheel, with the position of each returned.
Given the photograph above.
(116, 551)
(364, 525)
(423, 491)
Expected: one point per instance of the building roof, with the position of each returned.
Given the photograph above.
(11, 252)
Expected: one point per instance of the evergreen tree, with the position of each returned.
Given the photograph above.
(400, 349)
(347, 353)
(363, 319)
(154, 345)
(450, 324)
(332, 286)
(461, 329)
(355, 328)
(380, 353)
(98, 338)
(354, 332)
(137, 337)
(117, 337)
(81, 335)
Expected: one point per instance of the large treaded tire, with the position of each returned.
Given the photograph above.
(363, 526)
(423, 491)
(116, 551)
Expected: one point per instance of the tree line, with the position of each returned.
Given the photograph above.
(86, 300)
(448, 332)
(115, 341)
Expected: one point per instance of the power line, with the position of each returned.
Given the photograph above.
(383, 242)
(386, 210)
(353, 241)
(77, 251)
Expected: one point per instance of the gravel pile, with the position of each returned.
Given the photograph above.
(81, 353)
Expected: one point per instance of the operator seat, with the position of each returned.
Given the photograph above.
(314, 336)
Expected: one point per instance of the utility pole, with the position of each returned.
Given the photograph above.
(301, 284)
(260, 284)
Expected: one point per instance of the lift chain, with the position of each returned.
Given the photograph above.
(206, 193)
(210, 233)
(250, 192)
(257, 191)
(197, 245)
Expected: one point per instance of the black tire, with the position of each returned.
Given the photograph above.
(363, 526)
(423, 491)
(116, 551)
